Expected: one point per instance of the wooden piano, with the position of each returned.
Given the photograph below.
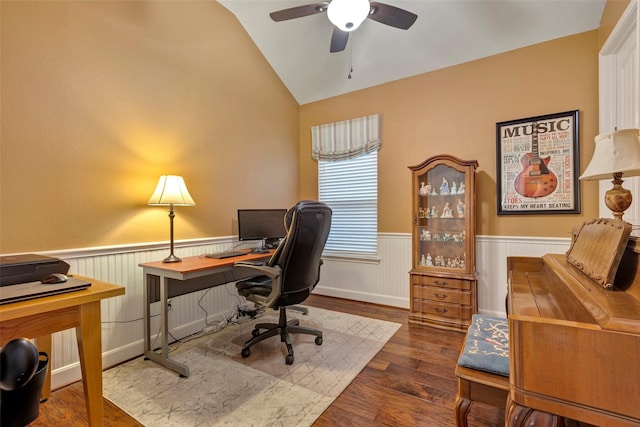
(574, 330)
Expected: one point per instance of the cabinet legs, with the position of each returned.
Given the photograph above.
(521, 416)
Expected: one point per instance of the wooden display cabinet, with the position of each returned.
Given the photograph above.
(443, 280)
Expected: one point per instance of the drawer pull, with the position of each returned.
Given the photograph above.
(441, 296)
(441, 282)
(441, 310)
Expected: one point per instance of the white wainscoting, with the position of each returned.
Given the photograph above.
(385, 282)
(122, 325)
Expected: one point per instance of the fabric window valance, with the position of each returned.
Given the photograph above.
(346, 139)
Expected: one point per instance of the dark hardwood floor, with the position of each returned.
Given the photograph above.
(410, 382)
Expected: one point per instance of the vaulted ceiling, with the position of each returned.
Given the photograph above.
(446, 33)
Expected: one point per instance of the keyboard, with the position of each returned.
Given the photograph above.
(226, 254)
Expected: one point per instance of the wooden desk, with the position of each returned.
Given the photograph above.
(168, 280)
(39, 318)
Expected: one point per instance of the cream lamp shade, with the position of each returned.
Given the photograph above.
(347, 15)
(171, 191)
(616, 154)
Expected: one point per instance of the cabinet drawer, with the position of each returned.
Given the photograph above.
(443, 282)
(416, 306)
(452, 296)
(453, 311)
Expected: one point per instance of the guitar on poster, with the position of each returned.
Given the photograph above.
(535, 179)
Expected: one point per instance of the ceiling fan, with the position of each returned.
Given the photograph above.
(347, 15)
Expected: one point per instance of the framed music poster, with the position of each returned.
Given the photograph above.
(537, 161)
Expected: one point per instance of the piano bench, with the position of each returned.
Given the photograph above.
(483, 366)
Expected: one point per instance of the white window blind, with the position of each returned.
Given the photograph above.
(350, 188)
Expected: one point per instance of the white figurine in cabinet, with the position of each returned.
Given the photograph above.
(444, 187)
(461, 188)
(446, 211)
(429, 261)
(454, 188)
(425, 235)
(424, 190)
(460, 237)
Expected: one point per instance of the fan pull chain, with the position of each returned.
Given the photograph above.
(350, 57)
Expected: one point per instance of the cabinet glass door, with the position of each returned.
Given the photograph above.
(441, 218)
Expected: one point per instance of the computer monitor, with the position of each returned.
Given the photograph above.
(266, 225)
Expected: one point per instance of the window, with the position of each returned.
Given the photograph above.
(350, 188)
(347, 154)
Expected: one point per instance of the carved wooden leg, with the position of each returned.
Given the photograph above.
(462, 408)
(521, 416)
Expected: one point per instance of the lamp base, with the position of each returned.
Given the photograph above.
(617, 199)
(172, 258)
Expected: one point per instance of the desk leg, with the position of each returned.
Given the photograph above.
(164, 316)
(44, 344)
(89, 336)
(163, 358)
(147, 315)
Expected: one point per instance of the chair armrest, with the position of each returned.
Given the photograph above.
(271, 272)
(245, 263)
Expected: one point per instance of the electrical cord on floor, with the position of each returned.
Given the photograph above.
(206, 313)
(209, 328)
(232, 318)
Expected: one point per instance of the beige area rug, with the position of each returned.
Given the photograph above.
(223, 389)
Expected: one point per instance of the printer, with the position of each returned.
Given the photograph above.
(15, 269)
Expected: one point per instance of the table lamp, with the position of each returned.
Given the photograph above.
(171, 191)
(616, 153)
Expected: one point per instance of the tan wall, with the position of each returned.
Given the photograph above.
(454, 111)
(101, 98)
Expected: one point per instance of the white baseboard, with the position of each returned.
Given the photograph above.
(389, 300)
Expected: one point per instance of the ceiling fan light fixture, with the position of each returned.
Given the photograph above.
(347, 15)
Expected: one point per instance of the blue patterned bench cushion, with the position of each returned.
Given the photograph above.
(487, 345)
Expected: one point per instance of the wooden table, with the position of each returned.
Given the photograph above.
(167, 280)
(39, 318)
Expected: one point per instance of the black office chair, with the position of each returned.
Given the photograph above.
(290, 274)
